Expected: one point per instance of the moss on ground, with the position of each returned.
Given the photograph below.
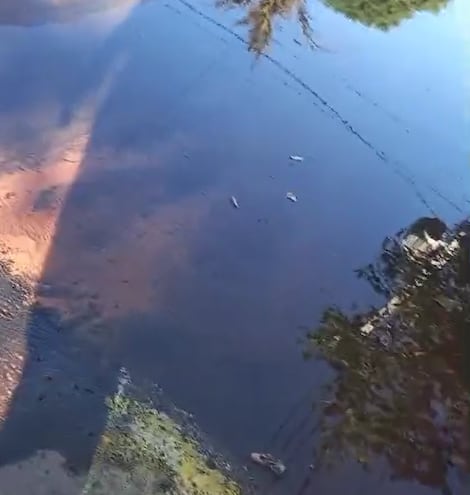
(143, 451)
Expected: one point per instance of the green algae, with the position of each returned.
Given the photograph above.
(143, 451)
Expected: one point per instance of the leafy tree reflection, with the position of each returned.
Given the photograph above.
(384, 14)
(402, 388)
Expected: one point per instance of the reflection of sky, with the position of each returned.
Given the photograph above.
(411, 77)
(402, 90)
(462, 13)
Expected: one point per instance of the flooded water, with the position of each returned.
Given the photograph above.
(126, 128)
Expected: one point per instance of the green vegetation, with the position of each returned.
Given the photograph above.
(144, 452)
(384, 14)
(402, 386)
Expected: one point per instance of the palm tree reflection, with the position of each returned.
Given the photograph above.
(261, 15)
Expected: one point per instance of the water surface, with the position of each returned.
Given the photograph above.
(124, 132)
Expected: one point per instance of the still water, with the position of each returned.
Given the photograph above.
(125, 129)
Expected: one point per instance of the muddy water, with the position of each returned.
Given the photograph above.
(124, 131)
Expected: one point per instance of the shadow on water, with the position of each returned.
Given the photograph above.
(118, 284)
(59, 402)
(73, 353)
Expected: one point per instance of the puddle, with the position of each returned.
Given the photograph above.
(125, 129)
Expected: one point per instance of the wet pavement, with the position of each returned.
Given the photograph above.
(125, 129)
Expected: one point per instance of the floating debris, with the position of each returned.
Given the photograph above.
(234, 202)
(291, 197)
(270, 462)
(296, 158)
